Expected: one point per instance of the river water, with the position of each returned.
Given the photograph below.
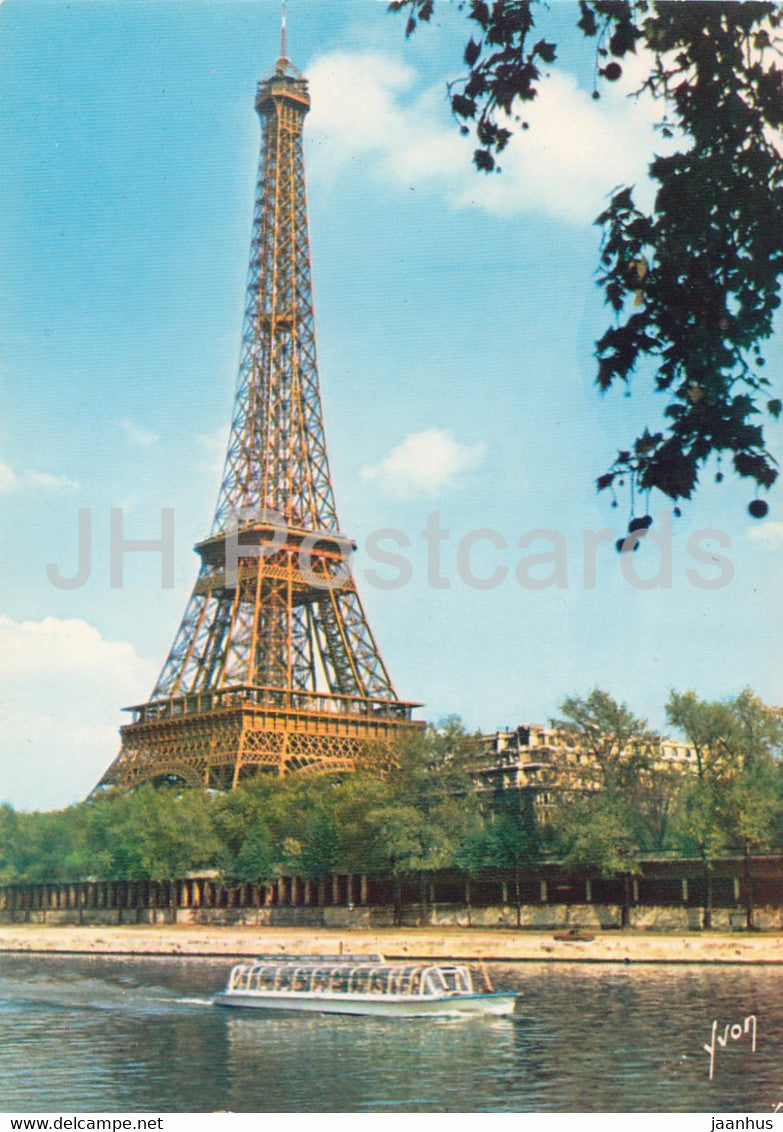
(105, 1034)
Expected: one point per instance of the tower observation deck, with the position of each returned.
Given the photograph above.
(274, 666)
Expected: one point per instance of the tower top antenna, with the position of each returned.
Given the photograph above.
(283, 66)
(283, 38)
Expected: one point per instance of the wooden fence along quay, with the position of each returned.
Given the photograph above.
(665, 895)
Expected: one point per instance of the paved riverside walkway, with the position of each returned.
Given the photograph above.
(447, 943)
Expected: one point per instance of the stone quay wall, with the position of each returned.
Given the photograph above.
(666, 895)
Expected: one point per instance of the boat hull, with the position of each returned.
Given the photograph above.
(398, 1006)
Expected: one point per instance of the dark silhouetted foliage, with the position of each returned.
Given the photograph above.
(694, 284)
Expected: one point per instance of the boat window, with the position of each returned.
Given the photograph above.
(402, 983)
(378, 981)
(434, 982)
(339, 979)
(463, 979)
(364, 976)
(451, 979)
(283, 980)
(413, 981)
(300, 979)
(321, 979)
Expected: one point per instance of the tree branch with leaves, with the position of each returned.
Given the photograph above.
(693, 284)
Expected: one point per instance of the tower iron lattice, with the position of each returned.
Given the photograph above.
(274, 666)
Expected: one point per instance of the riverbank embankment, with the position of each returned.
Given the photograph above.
(471, 944)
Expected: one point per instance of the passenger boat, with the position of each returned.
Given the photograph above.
(359, 984)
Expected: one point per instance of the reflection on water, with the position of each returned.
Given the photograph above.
(108, 1034)
(383, 1064)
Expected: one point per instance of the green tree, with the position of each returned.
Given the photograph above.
(776, 834)
(613, 746)
(434, 764)
(698, 820)
(235, 813)
(360, 796)
(46, 846)
(754, 745)
(693, 284)
(9, 835)
(617, 753)
(511, 840)
(431, 809)
(151, 833)
(600, 832)
(257, 858)
(733, 800)
(598, 816)
(304, 822)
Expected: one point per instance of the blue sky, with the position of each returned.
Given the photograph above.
(455, 318)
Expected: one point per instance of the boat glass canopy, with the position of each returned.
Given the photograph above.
(357, 976)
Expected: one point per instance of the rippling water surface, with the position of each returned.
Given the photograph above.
(105, 1034)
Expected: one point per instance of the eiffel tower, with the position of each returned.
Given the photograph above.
(274, 666)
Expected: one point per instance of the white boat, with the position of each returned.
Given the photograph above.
(359, 984)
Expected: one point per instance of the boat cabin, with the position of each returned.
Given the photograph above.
(357, 976)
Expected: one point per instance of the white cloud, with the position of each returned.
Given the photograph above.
(425, 463)
(62, 685)
(213, 449)
(41, 481)
(214, 442)
(137, 435)
(769, 534)
(47, 482)
(9, 481)
(576, 150)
